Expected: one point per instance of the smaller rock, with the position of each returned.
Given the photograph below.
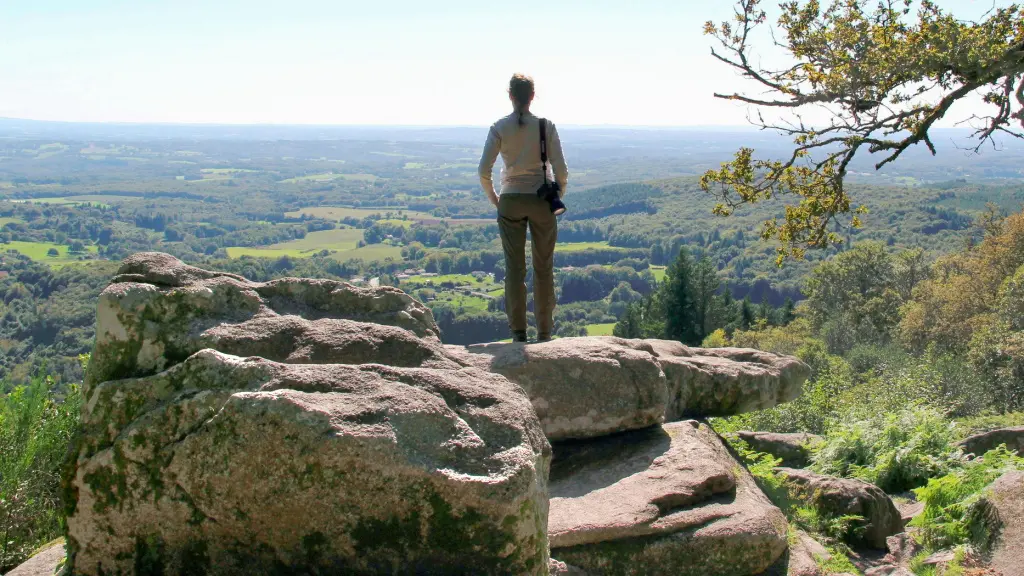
(888, 570)
(940, 557)
(982, 443)
(794, 449)
(909, 511)
(843, 496)
(44, 563)
(805, 556)
(902, 548)
(667, 500)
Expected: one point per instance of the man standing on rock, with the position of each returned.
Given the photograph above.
(518, 137)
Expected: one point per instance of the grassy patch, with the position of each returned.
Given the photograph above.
(600, 329)
(579, 246)
(328, 176)
(659, 272)
(415, 165)
(339, 212)
(7, 220)
(225, 171)
(370, 253)
(98, 200)
(38, 251)
(344, 239)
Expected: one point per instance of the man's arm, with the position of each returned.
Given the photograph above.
(491, 148)
(557, 159)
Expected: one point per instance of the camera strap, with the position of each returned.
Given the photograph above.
(544, 148)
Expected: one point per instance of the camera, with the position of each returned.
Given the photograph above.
(549, 192)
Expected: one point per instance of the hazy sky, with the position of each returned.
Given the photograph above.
(418, 62)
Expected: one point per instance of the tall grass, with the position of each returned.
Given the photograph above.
(36, 425)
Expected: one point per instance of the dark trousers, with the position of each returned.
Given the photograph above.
(516, 214)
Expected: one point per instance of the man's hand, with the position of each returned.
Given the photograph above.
(493, 198)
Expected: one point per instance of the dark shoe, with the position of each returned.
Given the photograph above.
(519, 336)
(543, 338)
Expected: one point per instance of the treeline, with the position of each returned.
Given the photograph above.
(47, 317)
(691, 304)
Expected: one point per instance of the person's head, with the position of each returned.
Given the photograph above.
(520, 92)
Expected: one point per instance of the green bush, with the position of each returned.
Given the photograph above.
(35, 429)
(895, 451)
(951, 513)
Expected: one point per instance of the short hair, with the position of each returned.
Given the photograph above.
(521, 88)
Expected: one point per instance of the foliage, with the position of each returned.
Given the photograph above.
(36, 425)
(951, 515)
(680, 310)
(882, 77)
(832, 530)
(854, 297)
(895, 451)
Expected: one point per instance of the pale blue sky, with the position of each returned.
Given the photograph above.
(409, 62)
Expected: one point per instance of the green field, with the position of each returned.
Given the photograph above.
(659, 272)
(370, 253)
(415, 165)
(37, 251)
(343, 239)
(600, 329)
(578, 246)
(6, 220)
(223, 171)
(328, 176)
(339, 212)
(103, 200)
(341, 243)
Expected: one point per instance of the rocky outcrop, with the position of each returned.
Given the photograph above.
(979, 444)
(842, 497)
(195, 460)
(158, 311)
(590, 387)
(664, 500)
(310, 426)
(794, 450)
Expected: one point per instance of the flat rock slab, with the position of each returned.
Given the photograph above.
(45, 563)
(582, 387)
(666, 500)
(979, 444)
(593, 386)
(229, 465)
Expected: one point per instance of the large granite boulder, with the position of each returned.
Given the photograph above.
(247, 465)
(158, 311)
(665, 500)
(848, 497)
(795, 449)
(234, 427)
(979, 444)
(590, 387)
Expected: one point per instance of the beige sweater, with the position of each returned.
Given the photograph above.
(519, 146)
